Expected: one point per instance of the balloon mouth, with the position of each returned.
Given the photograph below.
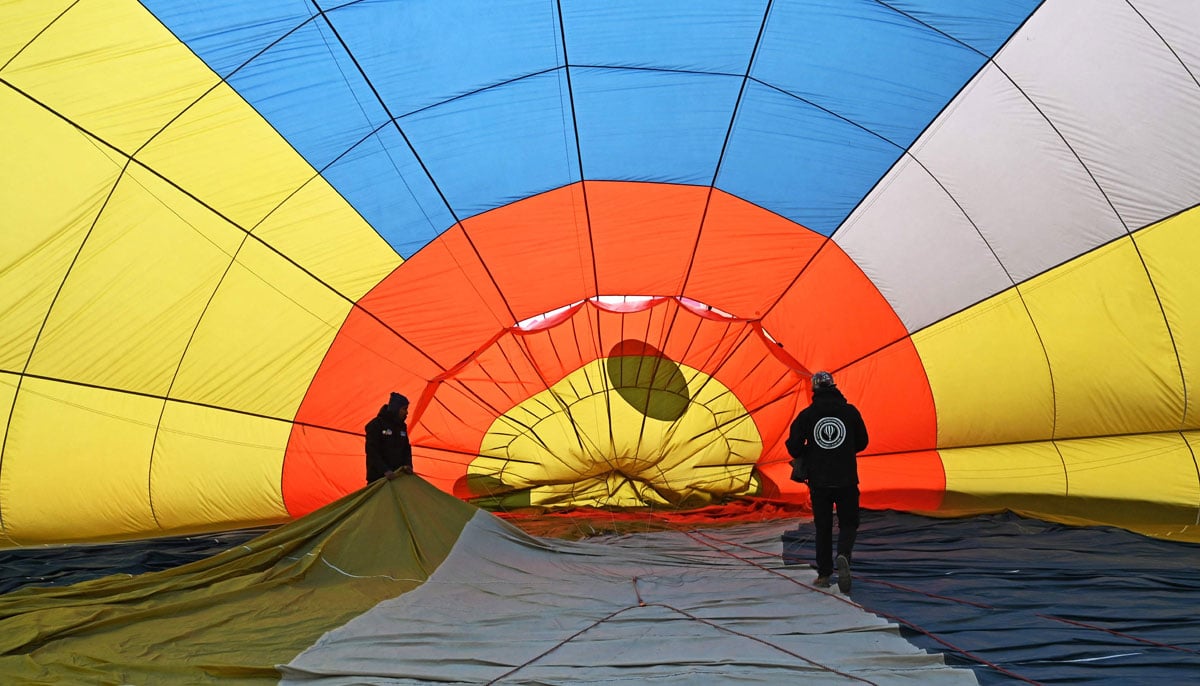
(651, 419)
(605, 489)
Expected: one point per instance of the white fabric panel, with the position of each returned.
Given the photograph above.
(540, 607)
(1120, 98)
(917, 247)
(1177, 21)
(1015, 179)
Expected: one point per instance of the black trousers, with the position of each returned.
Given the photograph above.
(845, 498)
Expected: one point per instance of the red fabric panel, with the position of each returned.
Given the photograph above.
(833, 315)
(730, 271)
(907, 481)
(643, 235)
(892, 392)
(538, 250)
(321, 466)
(442, 300)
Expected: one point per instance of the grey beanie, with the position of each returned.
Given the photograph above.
(822, 380)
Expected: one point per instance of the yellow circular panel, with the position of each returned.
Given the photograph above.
(680, 437)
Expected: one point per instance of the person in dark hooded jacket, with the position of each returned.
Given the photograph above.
(825, 439)
(388, 449)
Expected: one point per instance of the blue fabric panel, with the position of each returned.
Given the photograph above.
(799, 161)
(228, 33)
(419, 53)
(982, 24)
(839, 89)
(691, 35)
(305, 68)
(864, 62)
(499, 145)
(651, 125)
(391, 191)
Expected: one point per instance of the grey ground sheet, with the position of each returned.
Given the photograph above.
(666, 607)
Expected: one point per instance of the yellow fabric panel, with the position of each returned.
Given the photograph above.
(262, 337)
(1153, 467)
(1115, 371)
(8, 391)
(231, 618)
(132, 298)
(707, 450)
(212, 465)
(988, 374)
(1149, 483)
(1017, 468)
(223, 152)
(22, 20)
(113, 69)
(52, 184)
(317, 229)
(1150, 467)
(76, 461)
(1171, 250)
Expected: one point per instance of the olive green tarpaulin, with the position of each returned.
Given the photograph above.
(232, 617)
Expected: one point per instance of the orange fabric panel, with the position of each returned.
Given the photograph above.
(538, 241)
(442, 300)
(465, 401)
(462, 364)
(364, 364)
(729, 270)
(321, 466)
(568, 347)
(833, 315)
(906, 481)
(834, 318)
(893, 394)
(442, 468)
(643, 235)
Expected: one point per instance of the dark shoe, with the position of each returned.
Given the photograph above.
(843, 570)
(821, 582)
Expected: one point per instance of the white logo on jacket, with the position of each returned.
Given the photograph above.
(829, 432)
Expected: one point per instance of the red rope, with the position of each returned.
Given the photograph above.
(1114, 632)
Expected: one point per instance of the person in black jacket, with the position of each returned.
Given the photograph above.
(388, 450)
(825, 440)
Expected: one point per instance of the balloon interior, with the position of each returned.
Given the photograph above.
(602, 249)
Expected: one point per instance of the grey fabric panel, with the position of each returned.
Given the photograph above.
(614, 612)
(1015, 179)
(1178, 23)
(918, 248)
(1120, 96)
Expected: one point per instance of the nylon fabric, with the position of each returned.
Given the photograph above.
(654, 607)
(1051, 603)
(232, 617)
